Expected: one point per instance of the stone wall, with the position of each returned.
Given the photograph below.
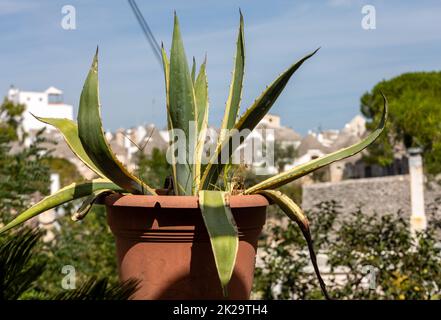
(383, 195)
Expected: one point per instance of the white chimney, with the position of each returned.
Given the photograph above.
(47, 218)
(418, 220)
(55, 182)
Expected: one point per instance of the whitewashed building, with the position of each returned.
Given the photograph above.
(48, 103)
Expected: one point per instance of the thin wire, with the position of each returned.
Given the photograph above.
(147, 31)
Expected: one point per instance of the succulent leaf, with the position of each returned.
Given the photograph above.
(66, 194)
(166, 65)
(87, 204)
(233, 102)
(69, 130)
(94, 142)
(223, 233)
(296, 214)
(193, 70)
(201, 94)
(183, 113)
(249, 121)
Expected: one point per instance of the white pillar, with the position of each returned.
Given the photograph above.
(418, 220)
(55, 182)
(47, 218)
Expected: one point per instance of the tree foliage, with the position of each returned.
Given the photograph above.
(65, 169)
(283, 155)
(22, 264)
(28, 267)
(87, 245)
(11, 117)
(414, 117)
(405, 267)
(153, 168)
(22, 169)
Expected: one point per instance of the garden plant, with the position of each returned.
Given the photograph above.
(187, 107)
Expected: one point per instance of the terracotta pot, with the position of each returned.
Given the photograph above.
(163, 242)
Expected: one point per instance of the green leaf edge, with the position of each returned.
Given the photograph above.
(66, 194)
(222, 208)
(296, 214)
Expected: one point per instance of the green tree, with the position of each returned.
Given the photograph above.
(87, 245)
(28, 267)
(22, 169)
(281, 273)
(11, 117)
(406, 267)
(67, 170)
(153, 168)
(414, 120)
(283, 155)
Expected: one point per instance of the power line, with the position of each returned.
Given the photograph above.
(147, 31)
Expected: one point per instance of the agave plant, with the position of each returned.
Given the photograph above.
(186, 103)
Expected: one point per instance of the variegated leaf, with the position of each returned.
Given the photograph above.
(223, 233)
(94, 142)
(234, 96)
(183, 113)
(296, 214)
(66, 194)
(248, 121)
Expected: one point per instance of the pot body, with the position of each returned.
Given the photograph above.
(162, 241)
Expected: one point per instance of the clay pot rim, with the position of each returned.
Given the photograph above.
(182, 202)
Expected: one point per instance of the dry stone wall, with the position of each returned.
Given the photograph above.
(383, 195)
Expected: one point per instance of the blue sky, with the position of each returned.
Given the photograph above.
(36, 52)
